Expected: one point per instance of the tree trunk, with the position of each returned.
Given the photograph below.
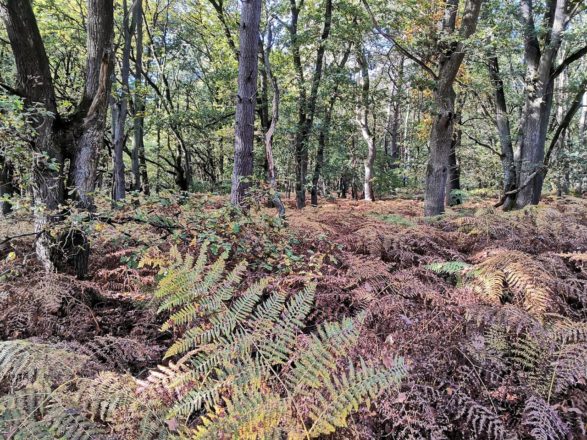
(306, 106)
(505, 138)
(270, 131)
(94, 105)
(35, 83)
(140, 176)
(363, 120)
(118, 185)
(391, 140)
(325, 131)
(538, 102)
(246, 99)
(453, 183)
(441, 136)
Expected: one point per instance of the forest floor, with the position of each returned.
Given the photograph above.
(488, 309)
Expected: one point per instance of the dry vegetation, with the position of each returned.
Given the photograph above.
(486, 309)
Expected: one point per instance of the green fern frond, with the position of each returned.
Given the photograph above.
(343, 394)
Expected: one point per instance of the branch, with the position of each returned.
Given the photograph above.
(484, 145)
(403, 50)
(11, 90)
(571, 58)
(566, 120)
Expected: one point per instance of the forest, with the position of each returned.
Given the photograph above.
(293, 219)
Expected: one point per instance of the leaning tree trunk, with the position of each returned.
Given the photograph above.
(246, 99)
(451, 56)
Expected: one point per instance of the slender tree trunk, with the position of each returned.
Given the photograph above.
(441, 135)
(246, 99)
(363, 120)
(141, 178)
(393, 123)
(505, 138)
(118, 186)
(306, 105)
(583, 121)
(270, 132)
(454, 172)
(325, 131)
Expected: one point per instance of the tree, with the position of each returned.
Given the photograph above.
(450, 56)
(246, 99)
(78, 137)
(539, 57)
(306, 104)
(363, 121)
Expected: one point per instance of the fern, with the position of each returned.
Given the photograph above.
(518, 274)
(246, 363)
(543, 421)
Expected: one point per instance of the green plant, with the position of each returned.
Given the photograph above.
(247, 367)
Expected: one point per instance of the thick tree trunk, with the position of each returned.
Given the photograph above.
(94, 105)
(538, 104)
(441, 135)
(35, 83)
(246, 99)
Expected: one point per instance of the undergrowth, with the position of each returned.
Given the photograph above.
(354, 319)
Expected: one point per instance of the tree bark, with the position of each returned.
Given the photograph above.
(538, 101)
(270, 131)
(306, 106)
(451, 55)
(34, 81)
(454, 171)
(139, 165)
(363, 120)
(246, 100)
(94, 105)
(505, 138)
(118, 184)
(324, 135)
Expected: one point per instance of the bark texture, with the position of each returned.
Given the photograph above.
(451, 55)
(246, 99)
